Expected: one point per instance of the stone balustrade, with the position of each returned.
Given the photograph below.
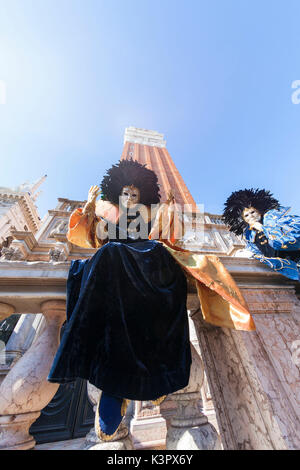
(253, 377)
(25, 391)
(37, 288)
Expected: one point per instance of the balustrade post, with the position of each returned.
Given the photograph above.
(25, 391)
(189, 428)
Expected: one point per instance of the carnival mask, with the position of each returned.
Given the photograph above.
(130, 196)
(251, 215)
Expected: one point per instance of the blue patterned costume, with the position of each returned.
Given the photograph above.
(279, 244)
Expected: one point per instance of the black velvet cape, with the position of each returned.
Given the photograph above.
(127, 327)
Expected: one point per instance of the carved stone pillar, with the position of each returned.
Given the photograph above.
(254, 376)
(121, 441)
(190, 429)
(148, 427)
(25, 391)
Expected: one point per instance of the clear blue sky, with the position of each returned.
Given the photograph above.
(214, 76)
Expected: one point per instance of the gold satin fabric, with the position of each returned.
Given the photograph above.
(221, 301)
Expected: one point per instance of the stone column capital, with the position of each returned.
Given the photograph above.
(54, 311)
(6, 310)
(53, 305)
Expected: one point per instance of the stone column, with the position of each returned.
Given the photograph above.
(27, 328)
(254, 376)
(190, 429)
(25, 391)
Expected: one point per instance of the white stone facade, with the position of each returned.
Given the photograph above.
(18, 212)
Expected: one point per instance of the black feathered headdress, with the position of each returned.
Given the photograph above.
(260, 199)
(127, 173)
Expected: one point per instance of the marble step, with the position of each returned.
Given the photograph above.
(71, 444)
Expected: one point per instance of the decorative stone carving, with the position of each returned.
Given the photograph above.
(148, 427)
(12, 254)
(60, 228)
(58, 254)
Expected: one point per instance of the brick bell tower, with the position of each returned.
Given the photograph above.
(149, 147)
(204, 232)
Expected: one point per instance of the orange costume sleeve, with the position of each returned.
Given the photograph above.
(82, 227)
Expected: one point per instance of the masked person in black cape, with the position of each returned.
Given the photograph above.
(127, 327)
